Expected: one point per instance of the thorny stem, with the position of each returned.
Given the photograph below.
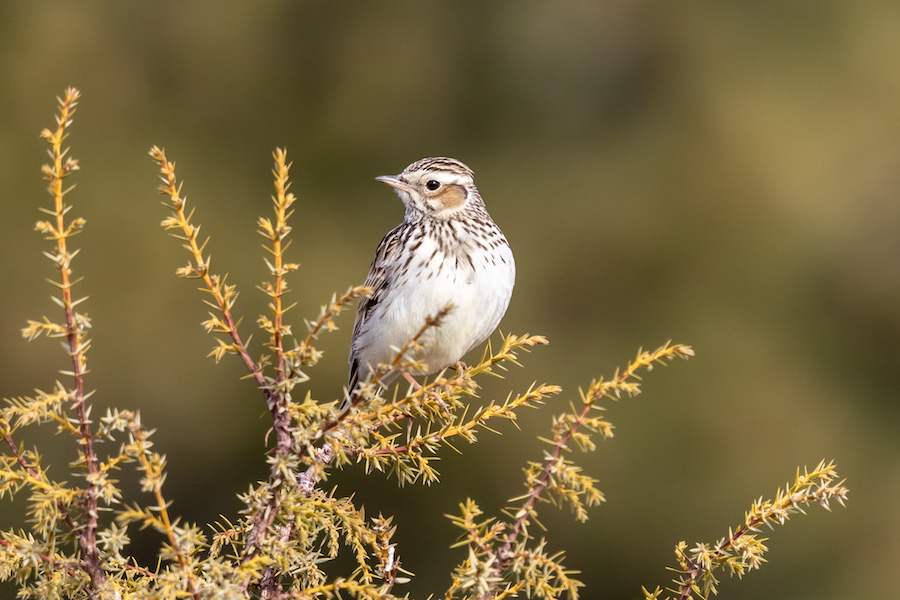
(324, 454)
(63, 510)
(694, 569)
(172, 189)
(269, 584)
(77, 346)
(507, 409)
(276, 234)
(693, 572)
(262, 522)
(794, 497)
(383, 370)
(644, 360)
(140, 436)
(280, 416)
(283, 201)
(463, 379)
(275, 402)
(543, 481)
(70, 566)
(325, 321)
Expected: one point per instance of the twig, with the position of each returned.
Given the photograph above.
(400, 359)
(71, 567)
(598, 389)
(155, 478)
(76, 324)
(223, 301)
(223, 295)
(62, 508)
(741, 550)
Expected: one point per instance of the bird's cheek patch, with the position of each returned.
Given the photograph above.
(452, 196)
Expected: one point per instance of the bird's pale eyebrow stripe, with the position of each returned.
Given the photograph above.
(451, 165)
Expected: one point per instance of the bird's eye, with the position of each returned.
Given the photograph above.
(432, 185)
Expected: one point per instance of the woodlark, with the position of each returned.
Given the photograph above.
(446, 252)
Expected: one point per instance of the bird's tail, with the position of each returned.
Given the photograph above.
(351, 394)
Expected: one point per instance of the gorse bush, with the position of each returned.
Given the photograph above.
(75, 541)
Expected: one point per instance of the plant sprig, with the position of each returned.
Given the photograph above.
(742, 550)
(501, 560)
(74, 329)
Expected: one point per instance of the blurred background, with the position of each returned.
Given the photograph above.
(723, 175)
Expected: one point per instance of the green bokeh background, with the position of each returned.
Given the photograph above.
(724, 175)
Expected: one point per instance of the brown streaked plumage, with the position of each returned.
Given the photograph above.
(447, 251)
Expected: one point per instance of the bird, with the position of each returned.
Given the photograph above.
(447, 252)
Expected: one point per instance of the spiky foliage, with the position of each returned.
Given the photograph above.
(283, 543)
(742, 550)
(503, 559)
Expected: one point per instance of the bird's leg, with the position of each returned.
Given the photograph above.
(432, 394)
(415, 384)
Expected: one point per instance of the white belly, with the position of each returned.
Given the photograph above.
(479, 298)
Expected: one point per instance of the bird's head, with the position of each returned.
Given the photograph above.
(440, 188)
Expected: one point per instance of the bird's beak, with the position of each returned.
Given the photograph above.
(395, 182)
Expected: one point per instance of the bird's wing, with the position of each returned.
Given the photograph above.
(378, 280)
